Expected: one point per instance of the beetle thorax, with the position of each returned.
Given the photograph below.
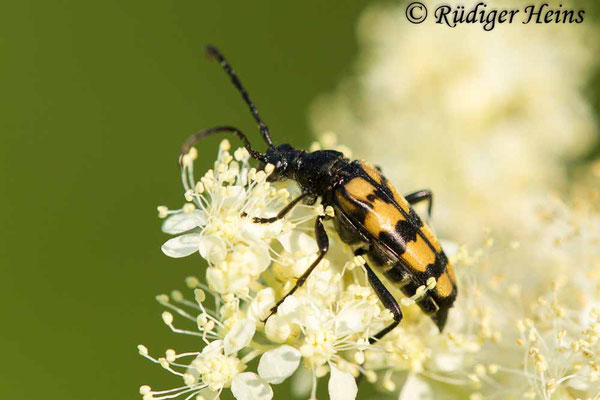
(316, 172)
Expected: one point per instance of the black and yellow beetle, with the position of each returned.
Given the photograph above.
(369, 214)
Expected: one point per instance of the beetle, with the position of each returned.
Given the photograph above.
(369, 214)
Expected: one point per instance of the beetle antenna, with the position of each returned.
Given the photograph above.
(264, 129)
(193, 139)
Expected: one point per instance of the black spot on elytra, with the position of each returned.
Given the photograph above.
(396, 274)
(414, 218)
(359, 215)
(384, 194)
(439, 267)
(393, 241)
(407, 230)
(371, 197)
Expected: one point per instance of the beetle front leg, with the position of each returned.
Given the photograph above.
(323, 245)
(284, 211)
(419, 196)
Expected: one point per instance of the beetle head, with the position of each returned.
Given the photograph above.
(283, 157)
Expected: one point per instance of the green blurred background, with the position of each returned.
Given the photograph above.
(96, 99)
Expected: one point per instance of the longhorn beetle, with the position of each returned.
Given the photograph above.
(369, 214)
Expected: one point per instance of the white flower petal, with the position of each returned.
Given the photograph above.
(253, 260)
(212, 346)
(295, 240)
(262, 259)
(231, 196)
(212, 248)
(415, 388)
(249, 386)
(342, 385)
(447, 361)
(263, 301)
(240, 334)
(278, 364)
(353, 319)
(302, 383)
(257, 232)
(184, 222)
(182, 246)
(226, 280)
(289, 306)
(278, 329)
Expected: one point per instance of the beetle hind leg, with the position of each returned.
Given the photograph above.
(386, 298)
(419, 196)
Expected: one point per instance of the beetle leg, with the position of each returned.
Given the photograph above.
(419, 196)
(281, 213)
(323, 245)
(384, 295)
(388, 301)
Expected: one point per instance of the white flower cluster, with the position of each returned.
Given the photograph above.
(543, 303)
(325, 326)
(527, 332)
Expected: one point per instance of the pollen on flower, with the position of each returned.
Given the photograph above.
(192, 282)
(225, 145)
(164, 363)
(167, 318)
(329, 211)
(431, 283)
(163, 211)
(319, 347)
(190, 157)
(188, 208)
(145, 389)
(217, 370)
(269, 168)
(199, 295)
(176, 295)
(319, 210)
(171, 355)
(143, 350)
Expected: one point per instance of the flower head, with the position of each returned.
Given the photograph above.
(548, 348)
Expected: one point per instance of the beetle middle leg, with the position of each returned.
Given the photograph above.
(323, 245)
(284, 211)
(386, 298)
(419, 196)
